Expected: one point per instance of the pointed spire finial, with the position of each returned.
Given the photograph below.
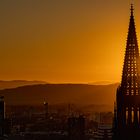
(132, 9)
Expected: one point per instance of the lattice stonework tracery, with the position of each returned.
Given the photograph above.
(128, 93)
(130, 77)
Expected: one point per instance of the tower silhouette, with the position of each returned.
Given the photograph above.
(128, 93)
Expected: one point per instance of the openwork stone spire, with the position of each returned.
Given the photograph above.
(130, 76)
(128, 93)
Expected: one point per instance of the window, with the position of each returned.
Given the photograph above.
(126, 115)
(132, 114)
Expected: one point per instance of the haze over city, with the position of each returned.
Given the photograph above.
(69, 70)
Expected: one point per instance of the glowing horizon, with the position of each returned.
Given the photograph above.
(64, 42)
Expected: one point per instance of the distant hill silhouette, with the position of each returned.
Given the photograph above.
(61, 93)
(101, 83)
(17, 83)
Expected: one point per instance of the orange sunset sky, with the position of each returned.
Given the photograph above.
(64, 41)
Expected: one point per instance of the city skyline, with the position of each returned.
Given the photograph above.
(64, 42)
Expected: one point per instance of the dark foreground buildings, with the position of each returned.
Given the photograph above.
(76, 128)
(1, 117)
(127, 119)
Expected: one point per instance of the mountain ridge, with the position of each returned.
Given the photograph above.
(17, 83)
(82, 94)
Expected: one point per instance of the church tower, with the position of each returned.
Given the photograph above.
(128, 93)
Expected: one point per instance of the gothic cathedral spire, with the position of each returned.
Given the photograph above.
(128, 93)
(130, 76)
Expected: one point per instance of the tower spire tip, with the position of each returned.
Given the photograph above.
(132, 8)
